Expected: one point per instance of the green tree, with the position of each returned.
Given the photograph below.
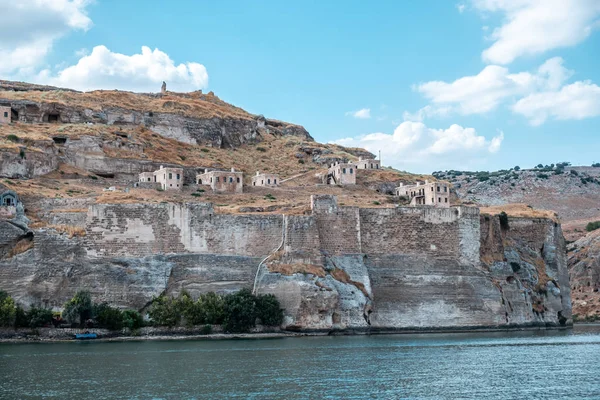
(38, 317)
(517, 168)
(269, 310)
(7, 310)
(165, 311)
(240, 311)
(214, 308)
(132, 319)
(79, 308)
(592, 226)
(108, 317)
(503, 220)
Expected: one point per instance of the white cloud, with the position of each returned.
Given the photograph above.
(426, 112)
(29, 28)
(575, 101)
(460, 7)
(144, 72)
(413, 145)
(363, 113)
(533, 27)
(485, 91)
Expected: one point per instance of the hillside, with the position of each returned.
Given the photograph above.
(584, 274)
(571, 192)
(64, 148)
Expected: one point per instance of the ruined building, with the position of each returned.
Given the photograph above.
(222, 181)
(428, 194)
(341, 174)
(368, 163)
(5, 115)
(168, 178)
(265, 179)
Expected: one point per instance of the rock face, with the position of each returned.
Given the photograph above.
(340, 268)
(584, 272)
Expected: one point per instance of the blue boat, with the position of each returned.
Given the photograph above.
(86, 335)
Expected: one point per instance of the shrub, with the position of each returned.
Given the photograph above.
(269, 196)
(596, 165)
(38, 317)
(517, 168)
(21, 320)
(204, 150)
(268, 310)
(7, 310)
(79, 308)
(542, 176)
(376, 203)
(132, 319)
(93, 177)
(240, 311)
(12, 138)
(574, 173)
(592, 226)
(108, 317)
(165, 311)
(503, 220)
(214, 308)
(300, 161)
(206, 330)
(195, 194)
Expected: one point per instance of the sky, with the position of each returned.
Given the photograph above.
(433, 84)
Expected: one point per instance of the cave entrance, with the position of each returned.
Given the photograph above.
(53, 118)
(59, 139)
(14, 115)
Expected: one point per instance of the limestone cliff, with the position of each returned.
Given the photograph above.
(337, 268)
(584, 271)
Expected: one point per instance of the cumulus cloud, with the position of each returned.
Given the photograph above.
(363, 113)
(426, 112)
(533, 27)
(575, 101)
(416, 146)
(143, 72)
(483, 92)
(29, 28)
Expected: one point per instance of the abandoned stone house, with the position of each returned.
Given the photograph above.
(8, 203)
(167, 178)
(265, 179)
(5, 115)
(222, 181)
(435, 194)
(341, 174)
(367, 163)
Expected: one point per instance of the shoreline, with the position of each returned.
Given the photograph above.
(180, 336)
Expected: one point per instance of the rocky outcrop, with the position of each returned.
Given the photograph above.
(584, 272)
(341, 268)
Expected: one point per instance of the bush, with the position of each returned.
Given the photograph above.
(12, 138)
(376, 203)
(517, 168)
(268, 310)
(214, 308)
(206, 330)
(503, 220)
(596, 165)
(542, 176)
(204, 150)
(240, 311)
(7, 310)
(79, 308)
(574, 173)
(108, 317)
(38, 317)
(269, 196)
(165, 311)
(132, 319)
(300, 161)
(592, 226)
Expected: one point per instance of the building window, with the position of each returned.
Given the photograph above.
(365, 166)
(170, 185)
(262, 181)
(432, 200)
(211, 179)
(351, 170)
(371, 166)
(439, 199)
(5, 114)
(148, 179)
(199, 181)
(343, 170)
(269, 181)
(170, 175)
(275, 181)
(254, 183)
(238, 180)
(178, 177)
(438, 188)
(445, 188)
(230, 179)
(445, 200)
(217, 179)
(376, 166)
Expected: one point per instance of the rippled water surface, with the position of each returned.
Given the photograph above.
(537, 365)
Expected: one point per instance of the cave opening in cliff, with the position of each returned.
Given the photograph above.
(59, 139)
(14, 115)
(53, 118)
(105, 175)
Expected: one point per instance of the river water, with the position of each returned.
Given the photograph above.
(523, 365)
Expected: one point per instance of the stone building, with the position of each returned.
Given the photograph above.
(168, 178)
(341, 174)
(146, 177)
(5, 115)
(222, 181)
(435, 194)
(265, 179)
(8, 203)
(367, 163)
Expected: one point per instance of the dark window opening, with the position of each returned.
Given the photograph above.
(269, 181)
(105, 175)
(178, 176)
(254, 183)
(217, 179)
(14, 114)
(275, 181)
(170, 175)
(438, 188)
(53, 117)
(343, 170)
(439, 199)
(230, 179)
(446, 200)
(5, 114)
(238, 180)
(148, 179)
(9, 201)
(351, 170)
(59, 140)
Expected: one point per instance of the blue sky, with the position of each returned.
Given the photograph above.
(498, 82)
